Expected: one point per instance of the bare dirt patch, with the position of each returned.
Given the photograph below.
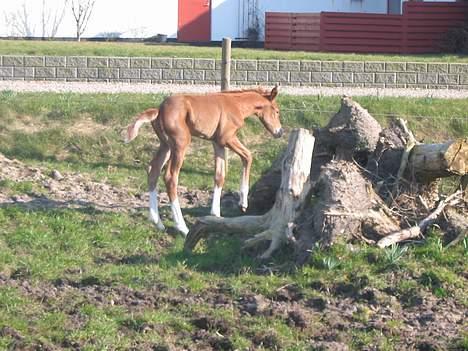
(76, 190)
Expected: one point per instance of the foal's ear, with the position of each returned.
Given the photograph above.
(274, 92)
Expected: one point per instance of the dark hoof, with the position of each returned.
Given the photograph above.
(243, 209)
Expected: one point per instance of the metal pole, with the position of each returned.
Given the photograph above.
(226, 65)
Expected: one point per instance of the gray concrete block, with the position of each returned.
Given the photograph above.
(97, 61)
(458, 68)
(161, 62)
(34, 61)
(6, 72)
(463, 78)
(140, 62)
(246, 65)
(283, 76)
(257, 76)
(129, 73)
(395, 86)
(193, 74)
(88, 73)
(13, 60)
(332, 85)
(332, 66)
(448, 78)
(374, 85)
(374, 66)
(301, 77)
(67, 72)
(55, 61)
(268, 65)
(416, 67)
(239, 75)
(171, 74)
(321, 77)
(427, 78)
(386, 78)
(182, 63)
(77, 61)
(213, 75)
(44, 72)
(204, 64)
(342, 77)
(416, 86)
(395, 66)
(153, 74)
(353, 66)
(437, 67)
(406, 78)
(119, 62)
(289, 65)
(26, 72)
(311, 66)
(364, 77)
(108, 73)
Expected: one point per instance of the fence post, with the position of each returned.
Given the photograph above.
(226, 65)
(226, 82)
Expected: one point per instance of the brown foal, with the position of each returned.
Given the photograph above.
(216, 117)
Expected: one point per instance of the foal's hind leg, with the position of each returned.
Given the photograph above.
(220, 171)
(156, 165)
(172, 179)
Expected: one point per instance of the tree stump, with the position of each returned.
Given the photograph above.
(275, 225)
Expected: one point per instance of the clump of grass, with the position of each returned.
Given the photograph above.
(330, 263)
(393, 255)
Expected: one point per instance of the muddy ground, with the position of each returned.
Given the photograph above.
(425, 321)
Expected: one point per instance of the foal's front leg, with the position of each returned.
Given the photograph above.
(246, 157)
(220, 171)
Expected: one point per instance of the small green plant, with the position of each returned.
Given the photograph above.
(394, 254)
(330, 263)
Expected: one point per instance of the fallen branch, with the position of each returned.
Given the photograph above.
(416, 231)
(410, 144)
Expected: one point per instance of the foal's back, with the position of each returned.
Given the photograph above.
(203, 116)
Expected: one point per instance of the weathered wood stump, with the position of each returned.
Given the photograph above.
(276, 224)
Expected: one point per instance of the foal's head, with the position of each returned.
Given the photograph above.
(269, 113)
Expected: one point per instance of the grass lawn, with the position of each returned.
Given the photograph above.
(27, 47)
(87, 279)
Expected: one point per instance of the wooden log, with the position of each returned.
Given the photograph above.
(430, 161)
(276, 224)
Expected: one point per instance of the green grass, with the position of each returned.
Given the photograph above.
(28, 47)
(68, 277)
(83, 132)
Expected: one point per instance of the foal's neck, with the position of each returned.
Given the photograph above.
(248, 101)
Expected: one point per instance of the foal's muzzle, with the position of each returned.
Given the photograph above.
(278, 133)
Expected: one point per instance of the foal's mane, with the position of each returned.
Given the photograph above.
(260, 91)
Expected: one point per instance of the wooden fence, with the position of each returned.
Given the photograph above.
(420, 29)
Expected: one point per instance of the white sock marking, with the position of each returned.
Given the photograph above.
(216, 204)
(244, 194)
(178, 218)
(154, 212)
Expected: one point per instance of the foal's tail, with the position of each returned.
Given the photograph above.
(146, 116)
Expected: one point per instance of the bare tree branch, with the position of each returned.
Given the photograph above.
(18, 22)
(82, 11)
(51, 20)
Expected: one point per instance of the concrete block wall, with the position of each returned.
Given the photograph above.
(243, 72)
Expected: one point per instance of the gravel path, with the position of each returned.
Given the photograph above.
(82, 87)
